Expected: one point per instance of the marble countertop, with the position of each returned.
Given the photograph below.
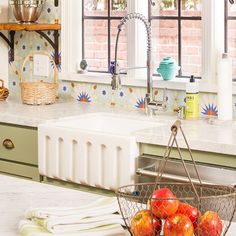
(208, 135)
(17, 195)
(205, 134)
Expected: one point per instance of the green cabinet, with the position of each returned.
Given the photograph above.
(18, 151)
(199, 156)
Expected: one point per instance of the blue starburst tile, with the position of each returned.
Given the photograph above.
(83, 97)
(210, 110)
(140, 103)
(52, 64)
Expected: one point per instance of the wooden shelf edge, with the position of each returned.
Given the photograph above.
(29, 27)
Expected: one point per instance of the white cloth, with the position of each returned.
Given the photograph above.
(30, 228)
(62, 220)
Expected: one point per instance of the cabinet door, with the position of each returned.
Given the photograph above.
(18, 144)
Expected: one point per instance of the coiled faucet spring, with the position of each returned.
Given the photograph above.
(115, 77)
(141, 17)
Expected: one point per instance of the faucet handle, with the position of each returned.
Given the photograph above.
(115, 82)
(165, 98)
(181, 113)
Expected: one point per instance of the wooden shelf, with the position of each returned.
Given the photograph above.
(38, 28)
(29, 27)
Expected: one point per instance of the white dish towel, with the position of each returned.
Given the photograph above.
(29, 228)
(63, 220)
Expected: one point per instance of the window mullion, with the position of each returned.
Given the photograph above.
(71, 19)
(83, 53)
(226, 26)
(131, 39)
(179, 37)
(137, 38)
(109, 35)
(213, 38)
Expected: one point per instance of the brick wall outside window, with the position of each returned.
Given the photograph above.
(165, 43)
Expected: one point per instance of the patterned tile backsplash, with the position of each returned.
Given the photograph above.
(29, 42)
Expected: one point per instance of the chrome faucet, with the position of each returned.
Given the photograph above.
(150, 102)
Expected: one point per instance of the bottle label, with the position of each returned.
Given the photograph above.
(192, 105)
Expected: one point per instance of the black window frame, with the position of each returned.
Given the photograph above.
(109, 18)
(178, 18)
(227, 19)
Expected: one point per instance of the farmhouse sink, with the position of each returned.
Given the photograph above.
(97, 149)
(107, 123)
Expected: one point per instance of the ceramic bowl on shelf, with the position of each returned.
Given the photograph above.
(27, 11)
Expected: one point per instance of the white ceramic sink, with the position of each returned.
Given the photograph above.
(107, 123)
(96, 149)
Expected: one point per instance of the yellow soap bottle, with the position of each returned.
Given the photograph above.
(192, 99)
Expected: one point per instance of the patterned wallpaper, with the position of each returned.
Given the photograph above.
(29, 42)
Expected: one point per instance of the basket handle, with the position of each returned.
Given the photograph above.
(31, 56)
(174, 130)
(176, 126)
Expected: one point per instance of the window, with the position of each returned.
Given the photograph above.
(176, 28)
(177, 32)
(191, 31)
(230, 31)
(100, 20)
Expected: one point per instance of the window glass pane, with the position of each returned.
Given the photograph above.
(96, 44)
(191, 46)
(122, 46)
(96, 7)
(232, 43)
(165, 40)
(118, 7)
(231, 9)
(191, 7)
(165, 8)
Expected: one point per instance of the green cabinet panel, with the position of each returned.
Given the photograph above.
(25, 142)
(19, 151)
(10, 168)
(199, 156)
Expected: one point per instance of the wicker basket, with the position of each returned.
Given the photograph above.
(4, 92)
(39, 92)
(145, 214)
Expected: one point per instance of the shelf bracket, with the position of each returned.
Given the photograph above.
(10, 43)
(55, 44)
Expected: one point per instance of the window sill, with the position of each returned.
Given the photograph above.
(104, 78)
(175, 84)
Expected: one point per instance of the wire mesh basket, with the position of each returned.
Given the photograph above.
(177, 209)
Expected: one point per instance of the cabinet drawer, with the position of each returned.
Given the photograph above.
(218, 159)
(19, 170)
(18, 144)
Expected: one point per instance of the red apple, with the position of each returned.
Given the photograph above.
(163, 203)
(178, 225)
(193, 213)
(144, 223)
(209, 225)
(195, 224)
